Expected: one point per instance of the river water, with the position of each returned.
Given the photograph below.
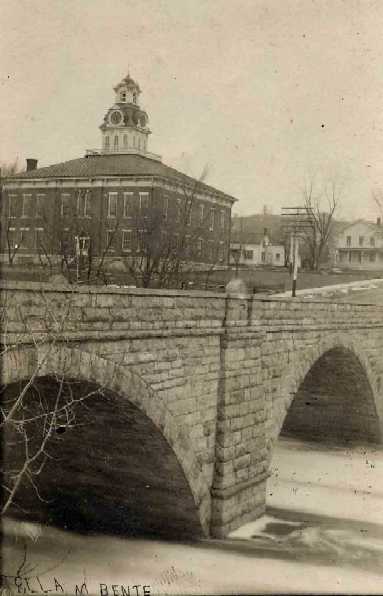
(322, 533)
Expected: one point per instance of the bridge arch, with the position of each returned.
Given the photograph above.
(131, 395)
(338, 366)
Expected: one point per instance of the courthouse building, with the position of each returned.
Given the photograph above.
(96, 198)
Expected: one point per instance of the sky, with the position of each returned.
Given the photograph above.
(265, 93)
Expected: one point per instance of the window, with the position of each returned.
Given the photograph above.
(82, 245)
(277, 256)
(116, 143)
(125, 140)
(189, 214)
(127, 240)
(200, 247)
(26, 238)
(134, 97)
(348, 241)
(12, 206)
(211, 227)
(128, 204)
(372, 241)
(11, 238)
(39, 237)
(107, 142)
(201, 213)
(65, 242)
(221, 251)
(263, 256)
(248, 255)
(140, 240)
(83, 204)
(87, 205)
(40, 199)
(187, 246)
(212, 251)
(361, 240)
(26, 210)
(112, 204)
(372, 257)
(222, 216)
(110, 240)
(144, 201)
(123, 96)
(65, 205)
(178, 210)
(166, 207)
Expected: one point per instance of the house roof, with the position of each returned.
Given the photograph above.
(373, 226)
(98, 165)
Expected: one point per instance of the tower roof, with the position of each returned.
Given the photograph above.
(128, 82)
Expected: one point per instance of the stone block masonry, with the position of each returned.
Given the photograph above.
(217, 377)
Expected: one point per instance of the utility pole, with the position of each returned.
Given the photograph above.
(296, 221)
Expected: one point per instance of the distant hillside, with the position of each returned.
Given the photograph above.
(252, 227)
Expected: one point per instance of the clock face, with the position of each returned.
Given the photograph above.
(115, 117)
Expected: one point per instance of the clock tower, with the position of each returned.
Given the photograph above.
(125, 127)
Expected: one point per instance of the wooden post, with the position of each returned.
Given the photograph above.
(296, 257)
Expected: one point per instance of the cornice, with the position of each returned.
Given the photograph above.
(162, 182)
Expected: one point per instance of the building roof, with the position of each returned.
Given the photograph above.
(100, 165)
(376, 228)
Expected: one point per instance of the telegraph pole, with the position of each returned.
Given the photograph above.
(296, 221)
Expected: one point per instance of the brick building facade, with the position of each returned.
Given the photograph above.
(102, 202)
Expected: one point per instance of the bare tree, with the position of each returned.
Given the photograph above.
(34, 412)
(321, 199)
(71, 246)
(377, 197)
(164, 241)
(13, 244)
(10, 168)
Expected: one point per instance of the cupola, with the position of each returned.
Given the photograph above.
(125, 127)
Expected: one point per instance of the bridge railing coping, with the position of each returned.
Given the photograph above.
(46, 287)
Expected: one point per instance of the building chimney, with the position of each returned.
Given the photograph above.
(378, 221)
(31, 164)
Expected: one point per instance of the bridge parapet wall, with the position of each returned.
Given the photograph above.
(32, 307)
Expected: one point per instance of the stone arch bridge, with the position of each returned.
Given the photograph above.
(192, 389)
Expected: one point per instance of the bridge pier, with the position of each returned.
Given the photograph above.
(240, 474)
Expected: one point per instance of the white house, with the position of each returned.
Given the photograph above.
(359, 246)
(256, 249)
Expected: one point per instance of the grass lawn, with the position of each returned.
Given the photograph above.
(258, 280)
